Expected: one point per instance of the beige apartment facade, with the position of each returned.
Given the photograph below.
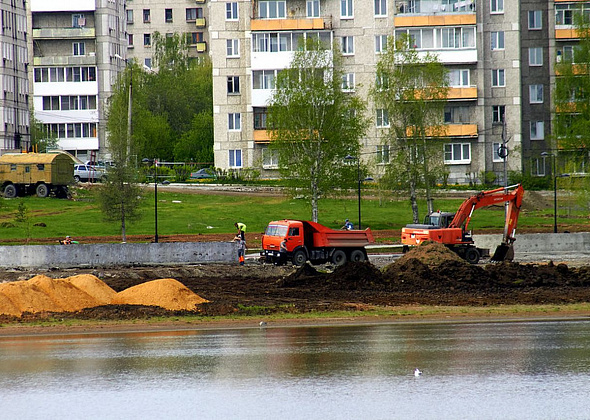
(479, 42)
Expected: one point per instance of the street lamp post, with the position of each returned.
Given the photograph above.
(555, 176)
(155, 163)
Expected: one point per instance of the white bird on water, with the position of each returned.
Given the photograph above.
(262, 324)
(417, 372)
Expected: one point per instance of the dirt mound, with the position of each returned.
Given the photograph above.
(303, 275)
(27, 297)
(65, 296)
(431, 253)
(92, 285)
(357, 275)
(166, 293)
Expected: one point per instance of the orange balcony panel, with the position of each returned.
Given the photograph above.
(435, 20)
(286, 24)
(449, 130)
(569, 1)
(566, 34)
(261, 136)
(462, 93)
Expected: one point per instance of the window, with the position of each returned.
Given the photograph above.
(231, 11)
(234, 123)
(197, 37)
(233, 47)
(346, 10)
(347, 45)
(497, 6)
(536, 94)
(498, 79)
(147, 62)
(380, 43)
(130, 40)
(536, 56)
(538, 166)
(191, 14)
(270, 158)
(348, 82)
(168, 15)
(498, 113)
(457, 115)
(497, 40)
(263, 79)
(457, 153)
(380, 8)
(313, 8)
(235, 158)
(79, 48)
(129, 15)
(537, 130)
(535, 19)
(146, 15)
(272, 9)
(563, 14)
(259, 118)
(382, 118)
(458, 77)
(147, 40)
(382, 154)
(78, 20)
(233, 84)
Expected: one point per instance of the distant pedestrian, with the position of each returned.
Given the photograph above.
(241, 229)
(348, 225)
(241, 248)
(282, 252)
(67, 241)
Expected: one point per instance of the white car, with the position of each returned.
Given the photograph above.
(89, 173)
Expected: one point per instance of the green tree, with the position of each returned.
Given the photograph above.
(572, 93)
(314, 125)
(119, 196)
(195, 145)
(410, 93)
(41, 141)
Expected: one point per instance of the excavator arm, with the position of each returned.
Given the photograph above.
(512, 195)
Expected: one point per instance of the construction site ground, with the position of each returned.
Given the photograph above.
(429, 275)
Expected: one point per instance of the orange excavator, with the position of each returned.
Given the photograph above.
(450, 229)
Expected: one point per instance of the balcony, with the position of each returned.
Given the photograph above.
(201, 47)
(462, 93)
(434, 20)
(261, 136)
(429, 7)
(290, 24)
(69, 60)
(449, 130)
(200, 22)
(64, 33)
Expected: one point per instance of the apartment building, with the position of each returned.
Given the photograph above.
(145, 17)
(75, 49)
(14, 107)
(499, 54)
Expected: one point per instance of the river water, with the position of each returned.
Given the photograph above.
(497, 370)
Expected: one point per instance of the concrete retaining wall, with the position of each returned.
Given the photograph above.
(540, 243)
(104, 255)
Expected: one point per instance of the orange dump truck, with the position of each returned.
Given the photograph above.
(300, 241)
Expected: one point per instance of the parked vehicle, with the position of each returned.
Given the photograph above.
(450, 229)
(309, 241)
(202, 174)
(89, 173)
(35, 173)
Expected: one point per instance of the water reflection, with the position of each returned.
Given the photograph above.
(486, 370)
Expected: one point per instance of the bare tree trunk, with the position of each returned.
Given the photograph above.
(413, 201)
(314, 202)
(429, 199)
(123, 231)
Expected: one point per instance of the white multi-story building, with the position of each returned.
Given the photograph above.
(75, 49)
(14, 106)
(477, 40)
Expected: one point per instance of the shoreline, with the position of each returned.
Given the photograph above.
(434, 315)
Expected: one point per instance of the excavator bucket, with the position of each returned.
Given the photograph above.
(504, 252)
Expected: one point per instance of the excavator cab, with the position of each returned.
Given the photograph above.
(439, 219)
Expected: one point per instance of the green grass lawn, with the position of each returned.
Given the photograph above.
(182, 213)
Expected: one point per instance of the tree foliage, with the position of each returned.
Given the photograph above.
(410, 91)
(314, 125)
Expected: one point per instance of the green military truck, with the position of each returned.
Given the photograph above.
(35, 173)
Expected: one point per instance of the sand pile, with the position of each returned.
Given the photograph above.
(44, 294)
(431, 253)
(167, 293)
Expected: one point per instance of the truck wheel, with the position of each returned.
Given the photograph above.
(76, 178)
(338, 257)
(472, 255)
(42, 190)
(357, 256)
(10, 191)
(299, 257)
